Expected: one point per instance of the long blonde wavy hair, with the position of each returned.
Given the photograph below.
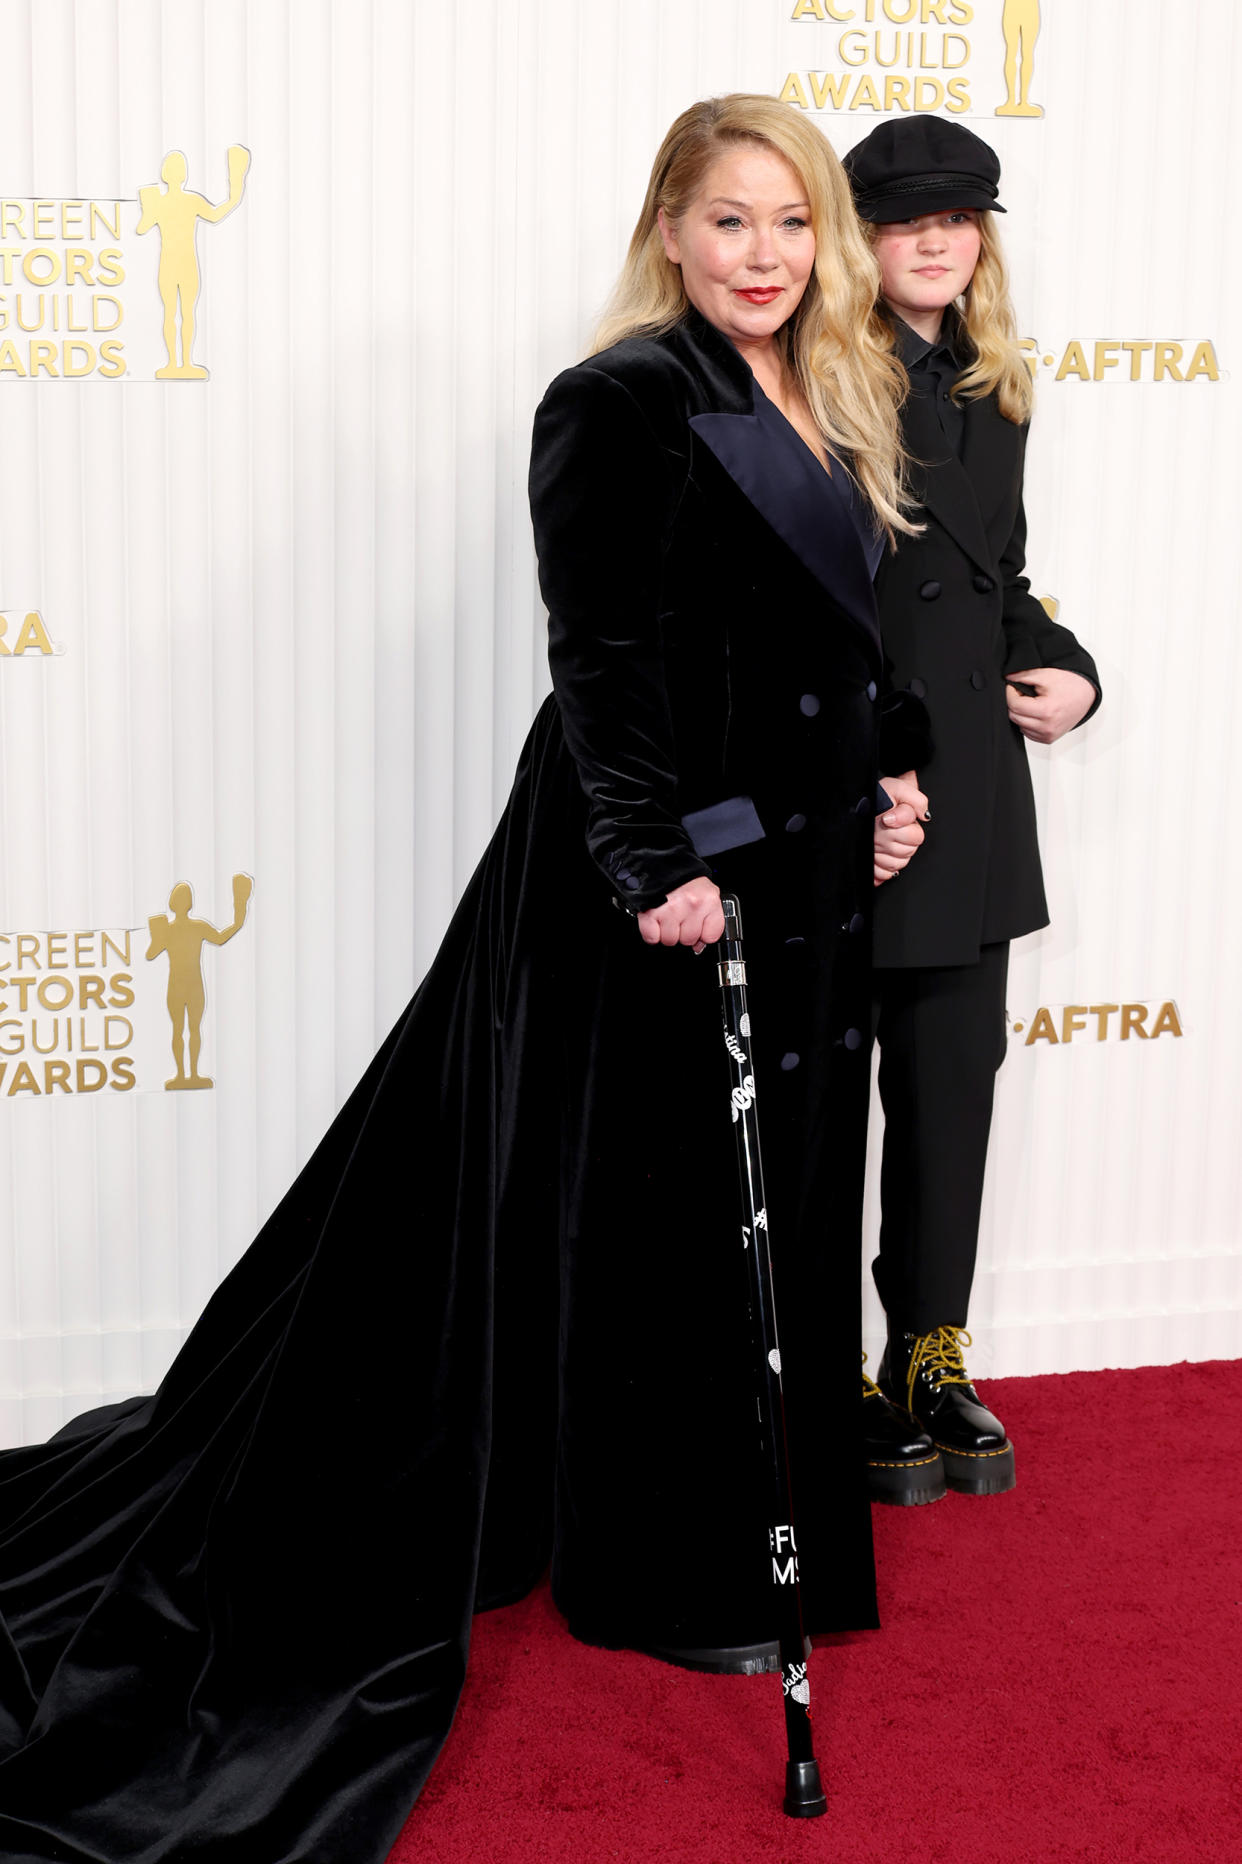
(835, 347)
(992, 332)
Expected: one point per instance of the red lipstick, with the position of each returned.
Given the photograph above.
(760, 294)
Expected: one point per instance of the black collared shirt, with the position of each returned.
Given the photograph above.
(933, 368)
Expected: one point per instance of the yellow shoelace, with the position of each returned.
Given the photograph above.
(870, 1388)
(940, 1354)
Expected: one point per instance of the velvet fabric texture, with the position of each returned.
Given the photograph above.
(500, 1317)
(957, 615)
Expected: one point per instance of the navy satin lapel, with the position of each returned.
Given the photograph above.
(777, 473)
(941, 481)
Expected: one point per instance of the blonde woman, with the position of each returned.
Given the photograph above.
(500, 1317)
(711, 491)
(962, 630)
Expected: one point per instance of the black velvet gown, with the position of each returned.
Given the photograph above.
(500, 1316)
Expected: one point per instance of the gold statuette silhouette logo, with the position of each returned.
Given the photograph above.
(1020, 25)
(176, 210)
(183, 939)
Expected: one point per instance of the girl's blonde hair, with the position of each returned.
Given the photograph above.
(992, 332)
(835, 346)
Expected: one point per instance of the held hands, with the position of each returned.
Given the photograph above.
(1060, 701)
(691, 915)
(899, 831)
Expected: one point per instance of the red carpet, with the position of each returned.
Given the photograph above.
(1059, 1677)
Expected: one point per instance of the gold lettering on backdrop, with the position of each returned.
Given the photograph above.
(51, 278)
(1168, 355)
(1132, 1021)
(27, 636)
(1020, 25)
(183, 939)
(175, 212)
(831, 87)
(74, 1020)
(76, 359)
(1074, 363)
(43, 976)
(1073, 1018)
(1103, 357)
(842, 91)
(1203, 362)
(1167, 1022)
(871, 39)
(1149, 359)
(1102, 1012)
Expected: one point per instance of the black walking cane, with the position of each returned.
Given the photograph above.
(804, 1795)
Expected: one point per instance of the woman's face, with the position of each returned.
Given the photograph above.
(745, 244)
(927, 262)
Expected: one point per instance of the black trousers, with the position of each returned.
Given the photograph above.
(942, 1037)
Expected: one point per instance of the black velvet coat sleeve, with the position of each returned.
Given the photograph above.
(604, 495)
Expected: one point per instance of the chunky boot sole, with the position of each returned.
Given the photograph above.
(907, 1485)
(979, 1472)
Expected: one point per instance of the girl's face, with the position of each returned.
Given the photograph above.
(745, 245)
(927, 262)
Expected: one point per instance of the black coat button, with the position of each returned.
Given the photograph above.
(808, 705)
(790, 1061)
(872, 690)
(864, 806)
(857, 923)
(929, 591)
(918, 688)
(983, 584)
(795, 823)
(977, 680)
(853, 1038)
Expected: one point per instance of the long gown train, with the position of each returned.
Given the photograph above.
(498, 1317)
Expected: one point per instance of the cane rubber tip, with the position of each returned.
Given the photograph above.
(804, 1796)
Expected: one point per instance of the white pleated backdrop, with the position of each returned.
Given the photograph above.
(299, 637)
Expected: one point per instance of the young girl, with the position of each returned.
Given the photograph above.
(961, 629)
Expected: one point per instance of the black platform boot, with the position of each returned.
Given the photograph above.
(926, 1375)
(903, 1464)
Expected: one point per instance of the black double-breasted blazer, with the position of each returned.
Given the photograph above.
(712, 626)
(957, 615)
